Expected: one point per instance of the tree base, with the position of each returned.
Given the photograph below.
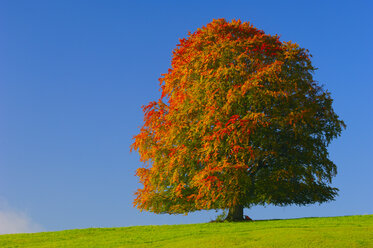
(235, 214)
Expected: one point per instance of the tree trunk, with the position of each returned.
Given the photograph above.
(235, 213)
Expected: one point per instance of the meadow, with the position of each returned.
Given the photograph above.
(347, 231)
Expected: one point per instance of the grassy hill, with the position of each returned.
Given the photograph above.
(348, 231)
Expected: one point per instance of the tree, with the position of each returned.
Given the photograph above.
(240, 122)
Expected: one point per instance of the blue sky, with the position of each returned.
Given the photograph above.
(74, 74)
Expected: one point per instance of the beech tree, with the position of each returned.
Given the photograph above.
(240, 122)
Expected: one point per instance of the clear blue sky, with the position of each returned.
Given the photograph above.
(74, 74)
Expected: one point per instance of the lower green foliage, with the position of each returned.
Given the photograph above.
(348, 231)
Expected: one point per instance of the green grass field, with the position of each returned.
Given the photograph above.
(348, 231)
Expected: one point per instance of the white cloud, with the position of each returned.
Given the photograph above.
(12, 221)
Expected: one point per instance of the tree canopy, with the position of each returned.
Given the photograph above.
(240, 122)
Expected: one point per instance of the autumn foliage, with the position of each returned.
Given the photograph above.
(240, 122)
